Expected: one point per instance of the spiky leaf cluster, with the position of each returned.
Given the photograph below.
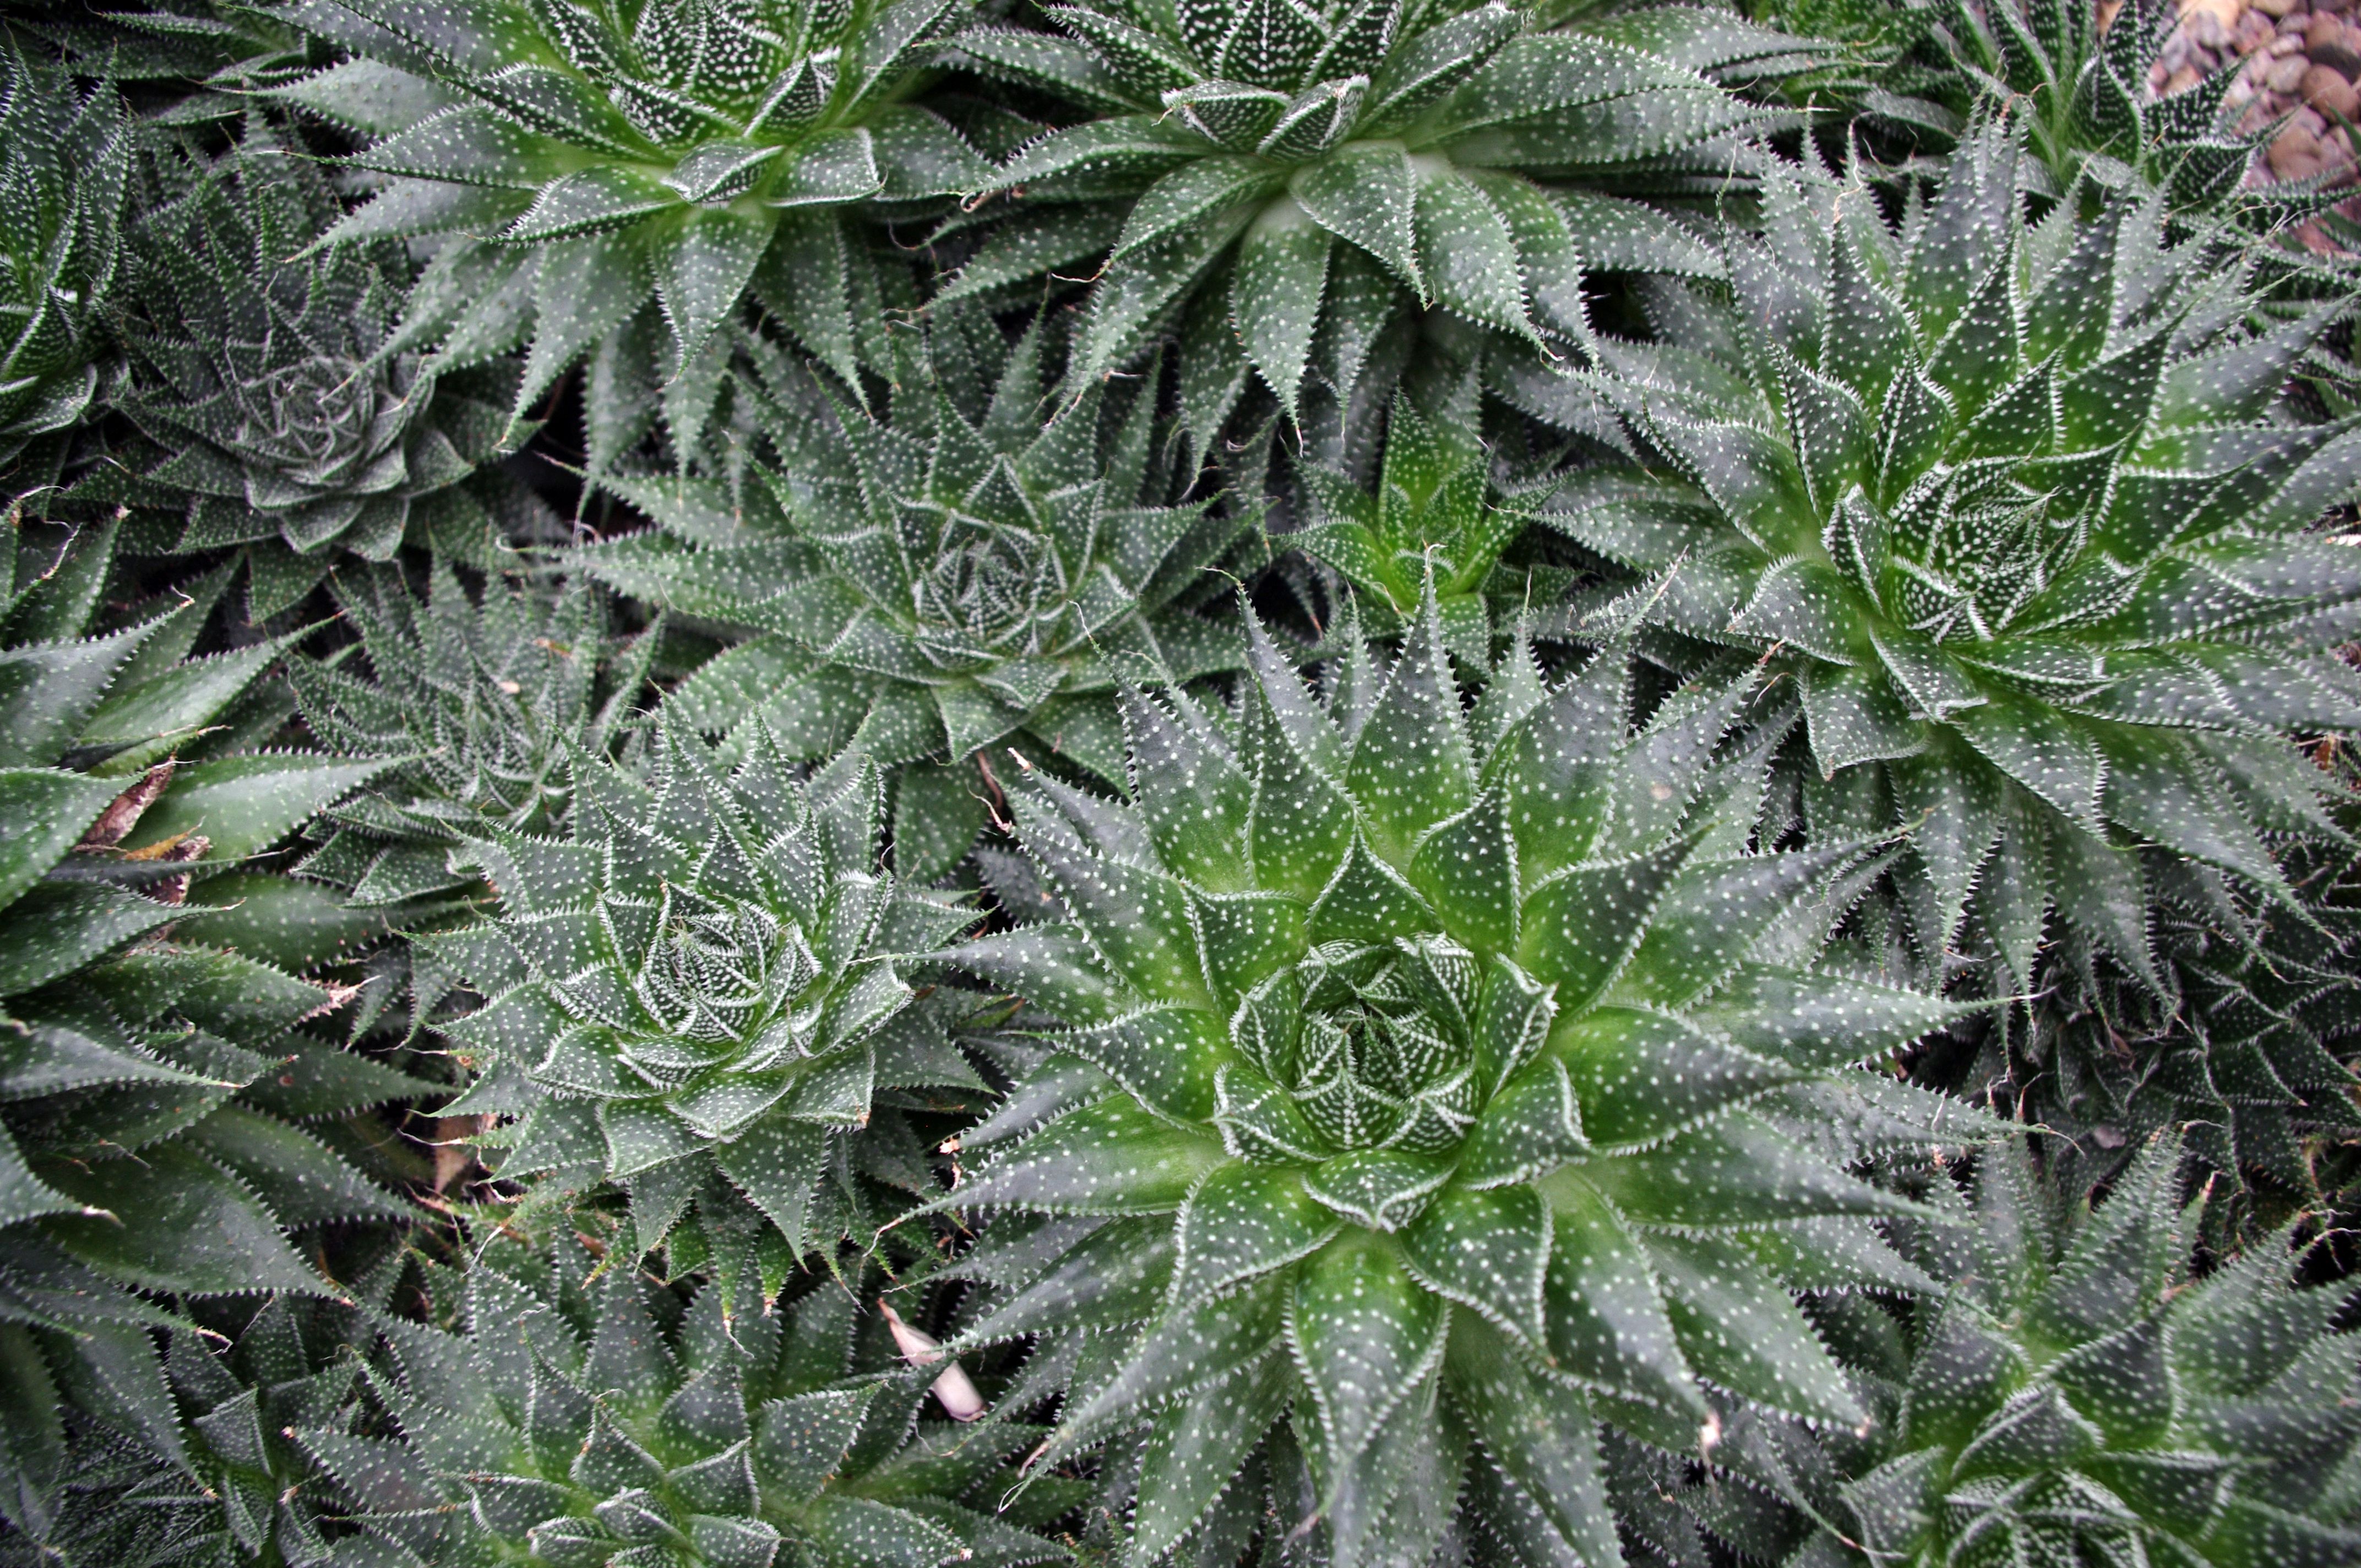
(182, 62)
(1892, 66)
(966, 563)
(570, 1425)
(1434, 1103)
(486, 699)
(291, 1367)
(2074, 1395)
(696, 988)
(2015, 505)
(169, 1131)
(1435, 517)
(65, 153)
(1437, 1084)
(2247, 1051)
(229, 1484)
(279, 413)
(1282, 178)
(623, 160)
(2090, 113)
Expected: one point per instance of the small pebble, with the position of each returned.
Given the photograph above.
(2295, 154)
(2277, 7)
(2286, 75)
(2327, 90)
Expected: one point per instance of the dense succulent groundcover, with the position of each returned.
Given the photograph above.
(871, 783)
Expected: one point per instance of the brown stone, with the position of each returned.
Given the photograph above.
(2328, 92)
(2323, 32)
(2279, 7)
(2295, 154)
(2336, 50)
(2287, 74)
(2180, 80)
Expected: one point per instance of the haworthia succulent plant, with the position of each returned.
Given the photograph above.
(1436, 1084)
(228, 1484)
(968, 563)
(106, 738)
(182, 62)
(572, 1424)
(279, 414)
(2247, 1051)
(620, 164)
(487, 699)
(156, 1106)
(1891, 68)
(2073, 1395)
(154, 1100)
(1436, 516)
(65, 151)
(1282, 178)
(695, 994)
(2015, 505)
(491, 1068)
(2091, 110)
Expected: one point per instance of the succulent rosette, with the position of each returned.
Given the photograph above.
(958, 564)
(488, 698)
(65, 156)
(1437, 1084)
(625, 172)
(174, 1134)
(2018, 507)
(604, 1423)
(2077, 1393)
(695, 994)
(2087, 89)
(279, 414)
(2247, 1054)
(1283, 179)
(1437, 514)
